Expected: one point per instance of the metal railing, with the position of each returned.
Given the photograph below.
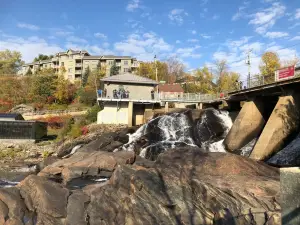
(185, 97)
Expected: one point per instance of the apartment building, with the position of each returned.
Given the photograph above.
(76, 62)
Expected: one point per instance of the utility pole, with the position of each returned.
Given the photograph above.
(248, 62)
(156, 74)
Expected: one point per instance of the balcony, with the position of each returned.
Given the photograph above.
(135, 65)
(78, 65)
(118, 64)
(78, 71)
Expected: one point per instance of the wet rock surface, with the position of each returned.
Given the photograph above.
(183, 186)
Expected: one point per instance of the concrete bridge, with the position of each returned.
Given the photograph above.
(268, 112)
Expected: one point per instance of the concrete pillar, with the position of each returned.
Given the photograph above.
(247, 126)
(199, 105)
(166, 107)
(282, 122)
(130, 113)
(290, 192)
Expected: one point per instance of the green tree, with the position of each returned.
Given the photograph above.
(269, 64)
(114, 70)
(85, 76)
(10, 62)
(42, 87)
(42, 57)
(147, 69)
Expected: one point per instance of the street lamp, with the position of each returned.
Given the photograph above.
(156, 74)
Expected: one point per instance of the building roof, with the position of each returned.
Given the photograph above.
(129, 78)
(116, 57)
(170, 88)
(13, 116)
(92, 57)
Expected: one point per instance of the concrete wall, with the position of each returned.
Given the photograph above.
(283, 121)
(113, 115)
(136, 91)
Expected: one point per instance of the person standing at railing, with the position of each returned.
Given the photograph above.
(152, 94)
(241, 85)
(104, 92)
(100, 93)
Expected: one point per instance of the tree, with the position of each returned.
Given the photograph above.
(204, 79)
(290, 62)
(42, 57)
(175, 69)
(62, 87)
(10, 62)
(42, 87)
(269, 64)
(85, 76)
(114, 70)
(227, 82)
(147, 69)
(221, 67)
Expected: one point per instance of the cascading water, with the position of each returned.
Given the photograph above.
(179, 129)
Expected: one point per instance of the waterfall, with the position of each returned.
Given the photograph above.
(178, 129)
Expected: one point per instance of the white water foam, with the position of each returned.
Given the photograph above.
(247, 149)
(218, 146)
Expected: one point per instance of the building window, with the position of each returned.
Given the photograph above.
(126, 63)
(62, 64)
(126, 70)
(70, 70)
(110, 63)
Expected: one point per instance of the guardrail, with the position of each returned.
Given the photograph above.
(186, 97)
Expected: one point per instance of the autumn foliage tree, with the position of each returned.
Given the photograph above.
(269, 64)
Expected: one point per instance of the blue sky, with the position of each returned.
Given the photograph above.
(196, 31)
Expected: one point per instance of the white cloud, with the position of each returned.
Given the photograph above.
(193, 31)
(28, 26)
(62, 33)
(296, 38)
(143, 46)
(193, 40)
(29, 47)
(105, 44)
(266, 18)
(239, 14)
(188, 52)
(76, 39)
(297, 14)
(100, 35)
(70, 27)
(215, 17)
(178, 42)
(92, 49)
(205, 36)
(133, 5)
(294, 25)
(273, 35)
(177, 16)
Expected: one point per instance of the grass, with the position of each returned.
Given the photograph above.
(10, 153)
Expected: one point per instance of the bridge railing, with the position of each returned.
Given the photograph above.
(185, 97)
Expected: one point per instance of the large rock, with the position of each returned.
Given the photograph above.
(289, 156)
(84, 164)
(48, 199)
(189, 187)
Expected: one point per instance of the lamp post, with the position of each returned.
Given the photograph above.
(156, 75)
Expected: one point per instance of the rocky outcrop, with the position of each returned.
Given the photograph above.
(84, 164)
(184, 186)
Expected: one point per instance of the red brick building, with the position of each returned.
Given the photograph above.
(170, 90)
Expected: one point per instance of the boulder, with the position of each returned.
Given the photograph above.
(48, 199)
(76, 210)
(289, 156)
(187, 186)
(22, 108)
(84, 164)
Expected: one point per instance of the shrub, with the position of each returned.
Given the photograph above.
(91, 115)
(88, 97)
(57, 107)
(75, 131)
(84, 130)
(67, 128)
(46, 154)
